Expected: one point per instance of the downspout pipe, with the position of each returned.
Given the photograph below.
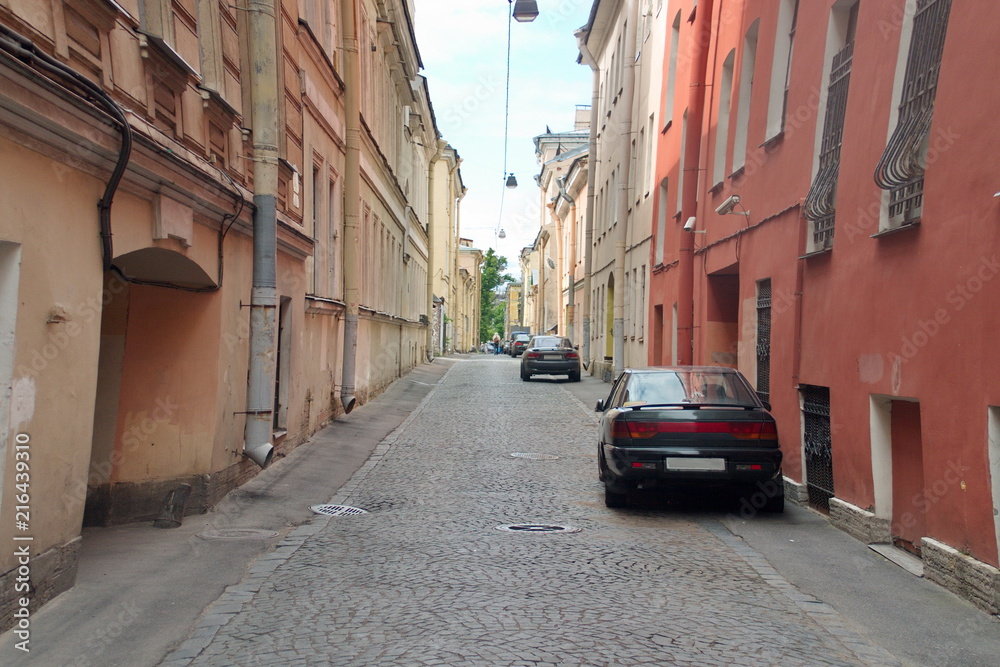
(624, 196)
(692, 165)
(431, 223)
(263, 295)
(588, 248)
(352, 204)
(571, 287)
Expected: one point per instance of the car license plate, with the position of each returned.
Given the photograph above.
(551, 357)
(688, 463)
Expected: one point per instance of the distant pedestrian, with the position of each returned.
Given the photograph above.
(496, 343)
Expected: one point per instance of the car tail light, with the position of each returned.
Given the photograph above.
(572, 355)
(532, 355)
(741, 430)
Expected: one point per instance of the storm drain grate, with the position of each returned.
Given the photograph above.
(237, 534)
(337, 510)
(538, 528)
(535, 457)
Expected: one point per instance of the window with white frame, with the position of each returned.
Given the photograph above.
(668, 98)
(781, 67)
(820, 203)
(747, 69)
(900, 171)
(722, 123)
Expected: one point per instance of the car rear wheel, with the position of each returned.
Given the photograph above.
(775, 504)
(574, 377)
(614, 499)
(525, 376)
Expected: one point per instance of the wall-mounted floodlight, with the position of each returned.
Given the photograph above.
(726, 207)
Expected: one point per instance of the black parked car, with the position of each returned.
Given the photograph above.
(550, 355)
(688, 426)
(518, 343)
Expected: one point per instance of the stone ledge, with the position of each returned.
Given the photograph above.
(795, 492)
(51, 573)
(858, 523)
(963, 575)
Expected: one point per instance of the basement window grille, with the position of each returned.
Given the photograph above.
(820, 204)
(901, 168)
(764, 339)
(818, 450)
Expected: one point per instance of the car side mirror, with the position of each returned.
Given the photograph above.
(600, 406)
(767, 404)
(576, 347)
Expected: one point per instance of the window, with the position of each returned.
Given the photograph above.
(10, 268)
(764, 339)
(647, 170)
(820, 203)
(680, 164)
(818, 445)
(333, 229)
(745, 96)
(668, 98)
(282, 365)
(661, 221)
(642, 301)
(781, 67)
(900, 171)
(722, 123)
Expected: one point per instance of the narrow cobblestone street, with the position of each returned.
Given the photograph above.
(426, 578)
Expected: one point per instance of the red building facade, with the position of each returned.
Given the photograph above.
(836, 168)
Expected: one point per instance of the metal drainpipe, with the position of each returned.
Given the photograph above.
(588, 247)
(352, 203)
(692, 165)
(263, 297)
(624, 194)
(430, 247)
(571, 287)
(557, 286)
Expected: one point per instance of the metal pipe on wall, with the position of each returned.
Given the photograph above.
(261, 16)
(352, 202)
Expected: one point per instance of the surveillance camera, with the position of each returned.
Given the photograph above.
(728, 205)
(689, 225)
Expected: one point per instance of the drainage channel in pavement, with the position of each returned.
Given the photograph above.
(337, 510)
(534, 457)
(237, 534)
(538, 528)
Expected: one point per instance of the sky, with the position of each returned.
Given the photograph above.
(463, 46)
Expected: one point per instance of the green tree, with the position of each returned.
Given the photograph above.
(491, 303)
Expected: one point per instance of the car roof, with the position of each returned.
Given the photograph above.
(683, 369)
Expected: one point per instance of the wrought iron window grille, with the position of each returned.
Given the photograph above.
(901, 168)
(764, 339)
(820, 203)
(818, 445)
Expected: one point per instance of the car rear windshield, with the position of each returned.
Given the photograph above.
(522, 337)
(547, 341)
(688, 387)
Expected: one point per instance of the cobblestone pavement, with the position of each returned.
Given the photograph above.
(426, 578)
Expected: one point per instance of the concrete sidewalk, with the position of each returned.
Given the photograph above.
(140, 589)
(916, 620)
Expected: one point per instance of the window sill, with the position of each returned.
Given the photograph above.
(773, 142)
(895, 230)
(817, 253)
(666, 126)
(738, 173)
(715, 189)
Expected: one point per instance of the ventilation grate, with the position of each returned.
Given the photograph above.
(535, 457)
(538, 528)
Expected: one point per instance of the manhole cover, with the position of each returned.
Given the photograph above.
(538, 528)
(237, 534)
(534, 457)
(337, 510)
